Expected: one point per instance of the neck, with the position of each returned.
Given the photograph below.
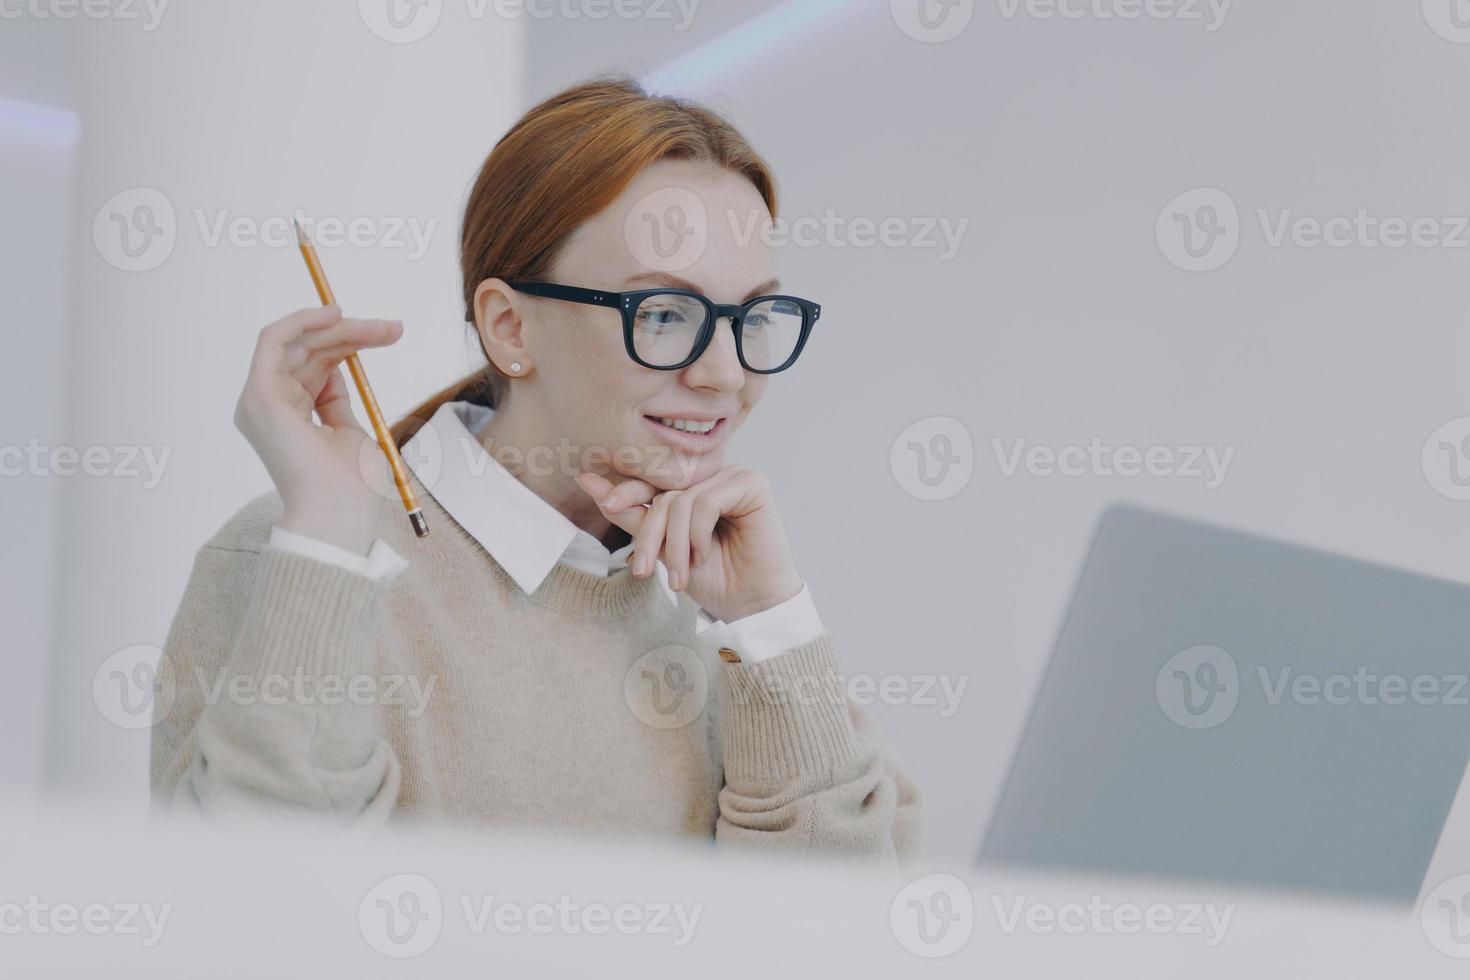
(529, 453)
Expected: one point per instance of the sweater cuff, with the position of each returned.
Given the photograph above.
(309, 616)
(786, 719)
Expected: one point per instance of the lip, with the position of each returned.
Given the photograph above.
(693, 442)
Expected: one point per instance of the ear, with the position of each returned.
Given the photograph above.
(498, 318)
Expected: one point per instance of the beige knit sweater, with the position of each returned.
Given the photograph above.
(448, 694)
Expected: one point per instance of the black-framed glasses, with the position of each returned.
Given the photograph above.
(668, 329)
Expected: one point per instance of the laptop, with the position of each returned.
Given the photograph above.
(1228, 708)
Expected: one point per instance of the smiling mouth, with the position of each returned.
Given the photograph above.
(687, 432)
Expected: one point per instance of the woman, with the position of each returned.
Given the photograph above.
(604, 630)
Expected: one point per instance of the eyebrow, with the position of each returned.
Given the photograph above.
(674, 282)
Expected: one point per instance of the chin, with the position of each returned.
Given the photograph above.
(680, 471)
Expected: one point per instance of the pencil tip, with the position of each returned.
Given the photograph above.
(300, 232)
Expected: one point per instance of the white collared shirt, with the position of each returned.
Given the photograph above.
(528, 537)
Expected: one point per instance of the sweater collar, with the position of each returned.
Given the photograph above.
(525, 535)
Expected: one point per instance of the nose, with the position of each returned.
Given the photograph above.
(718, 368)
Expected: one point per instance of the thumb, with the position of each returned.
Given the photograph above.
(334, 404)
(600, 489)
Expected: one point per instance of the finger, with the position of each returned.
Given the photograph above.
(728, 495)
(676, 539)
(704, 516)
(270, 344)
(648, 542)
(597, 487)
(364, 333)
(630, 493)
(334, 404)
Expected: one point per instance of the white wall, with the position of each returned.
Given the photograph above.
(1060, 319)
(247, 111)
(37, 139)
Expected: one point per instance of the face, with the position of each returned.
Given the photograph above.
(577, 380)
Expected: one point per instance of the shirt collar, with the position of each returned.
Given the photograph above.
(523, 533)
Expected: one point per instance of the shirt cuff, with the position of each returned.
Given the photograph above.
(381, 563)
(765, 634)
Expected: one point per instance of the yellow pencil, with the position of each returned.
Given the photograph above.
(365, 391)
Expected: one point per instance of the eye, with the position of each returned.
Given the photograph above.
(661, 318)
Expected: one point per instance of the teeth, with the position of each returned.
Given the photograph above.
(688, 425)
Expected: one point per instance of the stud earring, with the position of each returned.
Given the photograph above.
(515, 367)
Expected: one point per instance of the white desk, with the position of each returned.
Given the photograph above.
(286, 901)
